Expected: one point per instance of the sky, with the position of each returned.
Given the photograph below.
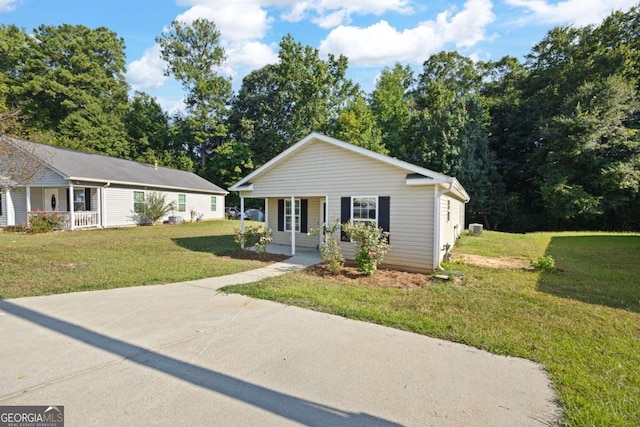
(373, 34)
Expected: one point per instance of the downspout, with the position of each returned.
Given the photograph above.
(436, 227)
(241, 219)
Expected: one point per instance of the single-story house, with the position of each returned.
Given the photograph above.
(321, 178)
(94, 190)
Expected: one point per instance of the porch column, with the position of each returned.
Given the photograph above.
(99, 205)
(293, 226)
(28, 201)
(242, 218)
(324, 221)
(72, 220)
(103, 206)
(11, 213)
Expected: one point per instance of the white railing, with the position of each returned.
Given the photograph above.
(86, 219)
(81, 219)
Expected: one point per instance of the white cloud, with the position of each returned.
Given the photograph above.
(577, 12)
(8, 5)
(332, 13)
(236, 20)
(381, 44)
(148, 71)
(250, 55)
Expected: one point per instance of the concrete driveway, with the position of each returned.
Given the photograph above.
(185, 354)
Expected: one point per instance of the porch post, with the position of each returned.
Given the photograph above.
(11, 213)
(293, 226)
(325, 221)
(72, 220)
(28, 201)
(99, 205)
(242, 218)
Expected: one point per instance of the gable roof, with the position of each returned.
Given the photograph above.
(416, 175)
(76, 165)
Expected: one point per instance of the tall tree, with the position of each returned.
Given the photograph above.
(391, 104)
(196, 58)
(72, 82)
(357, 125)
(283, 102)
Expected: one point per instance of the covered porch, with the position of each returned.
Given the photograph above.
(82, 206)
(292, 218)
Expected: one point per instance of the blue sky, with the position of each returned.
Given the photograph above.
(371, 33)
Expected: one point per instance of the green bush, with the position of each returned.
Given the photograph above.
(254, 236)
(153, 208)
(42, 222)
(372, 244)
(545, 263)
(330, 247)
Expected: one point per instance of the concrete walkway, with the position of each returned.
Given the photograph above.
(185, 354)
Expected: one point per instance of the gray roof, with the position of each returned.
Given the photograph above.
(81, 166)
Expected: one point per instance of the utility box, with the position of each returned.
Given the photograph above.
(475, 229)
(175, 219)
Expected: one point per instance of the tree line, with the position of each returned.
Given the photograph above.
(547, 143)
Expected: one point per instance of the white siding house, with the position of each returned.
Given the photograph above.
(324, 178)
(94, 190)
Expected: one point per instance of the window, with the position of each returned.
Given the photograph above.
(138, 201)
(214, 203)
(364, 209)
(376, 209)
(448, 210)
(78, 199)
(0, 204)
(288, 214)
(182, 202)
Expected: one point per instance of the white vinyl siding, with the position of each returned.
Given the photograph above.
(451, 222)
(320, 169)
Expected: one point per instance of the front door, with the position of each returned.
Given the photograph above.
(51, 200)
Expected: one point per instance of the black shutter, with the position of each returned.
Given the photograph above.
(345, 215)
(87, 199)
(384, 205)
(304, 212)
(68, 200)
(280, 214)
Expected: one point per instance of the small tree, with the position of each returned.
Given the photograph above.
(330, 246)
(372, 244)
(153, 207)
(20, 163)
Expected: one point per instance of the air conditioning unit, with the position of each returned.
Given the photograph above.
(475, 229)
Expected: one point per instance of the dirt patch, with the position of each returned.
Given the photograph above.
(251, 255)
(382, 278)
(508, 263)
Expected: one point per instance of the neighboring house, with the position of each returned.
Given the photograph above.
(94, 190)
(321, 178)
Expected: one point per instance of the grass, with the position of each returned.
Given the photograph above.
(51, 263)
(581, 323)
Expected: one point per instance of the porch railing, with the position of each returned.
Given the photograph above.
(81, 219)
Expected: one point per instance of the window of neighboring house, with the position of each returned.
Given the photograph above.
(289, 215)
(78, 199)
(138, 201)
(364, 209)
(182, 202)
(214, 203)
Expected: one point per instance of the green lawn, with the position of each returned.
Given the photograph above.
(51, 263)
(581, 323)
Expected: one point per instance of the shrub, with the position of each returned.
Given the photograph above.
(42, 222)
(153, 208)
(16, 228)
(254, 236)
(545, 263)
(372, 244)
(330, 247)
